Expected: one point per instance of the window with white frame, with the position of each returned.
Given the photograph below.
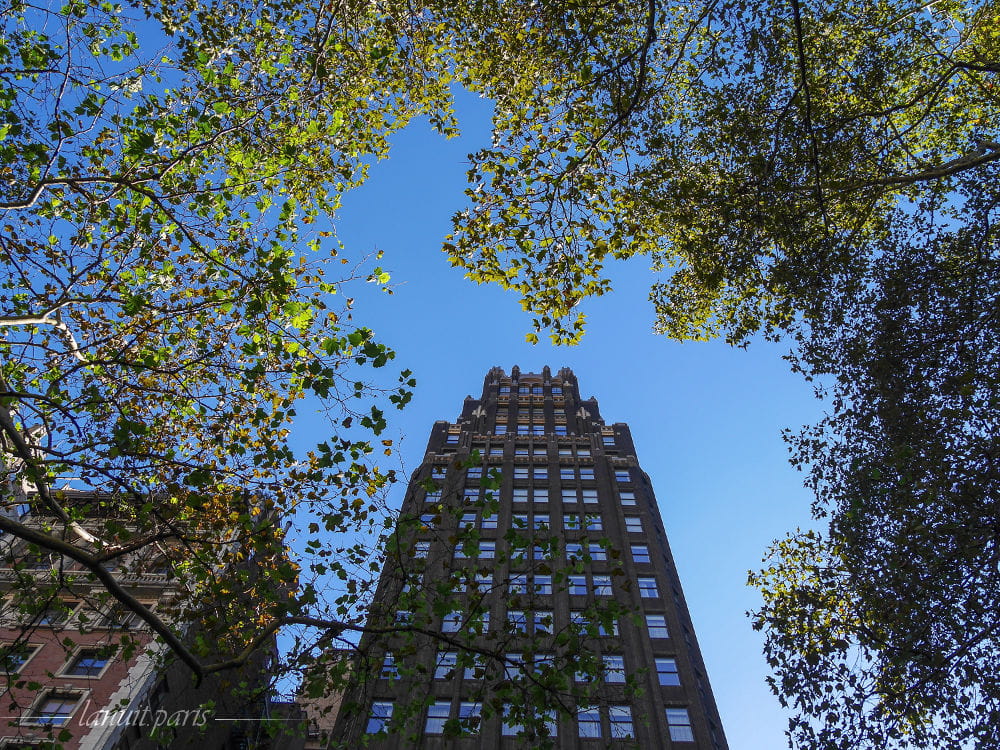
(586, 473)
(666, 671)
(614, 668)
(589, 496)
(54, 708)
(543, 584)
(633, 524)
(640, 553)
(647, 588)
(679, 724)
(602, 585)
(627, 498)
(657, 626)
(540, 496)
(597, 552)
(437, 716)
(577, 585)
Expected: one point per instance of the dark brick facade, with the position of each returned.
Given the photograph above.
(563, 470)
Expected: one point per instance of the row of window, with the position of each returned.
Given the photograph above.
(537, 495)
(534, 390)
(59, 614)
(613, 671)
(592, 722)
(455, 622)
(87, 662)
(570, 521)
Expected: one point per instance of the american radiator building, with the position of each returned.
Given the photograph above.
(529, 596)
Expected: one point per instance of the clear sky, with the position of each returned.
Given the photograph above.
(706, 418)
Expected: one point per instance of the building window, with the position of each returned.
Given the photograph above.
(569, 496)
(679, 724)
(444, 669)
(468, 714)
(468, 521)
(666, 670)
(543, 584)
(520, 472)
(540, 473)
(489, 520)
(574, 551)
(557, 390)
(622, 477)
(56, 614)
(452, 438)
(484, 582)
(476, 472)
(586, 473)
(518, 584)
(592, 522)
(640, 553)
(597, 552)
(13, 656)
(421, 549)
(567, 472)
(500, 429)
(614, 668)
(88, 662)
(621, 721)
(53, 709)
(647, 588)
(560, 429)
(389, 670)
(513, 666)
(608, 439)
(452, 622)
(519, 521)
(602, 585)
(487, 550)
(437, 715)
(378, 719)
(433, 497)
(590, 496)
(543, 621)
(541, 521)
(577, 585)
(517, 621)
(520, 495)
(633, 524)
(476, 670)
(627, 498)
(588, 722)
(657, 626)
(403, 617)
(540, 496)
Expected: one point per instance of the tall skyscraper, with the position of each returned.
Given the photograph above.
(530, 560)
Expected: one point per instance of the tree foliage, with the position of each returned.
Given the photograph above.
(824, 171)
(883, 632)
(170, 174)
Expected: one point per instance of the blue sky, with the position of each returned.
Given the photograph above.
(706, 418)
